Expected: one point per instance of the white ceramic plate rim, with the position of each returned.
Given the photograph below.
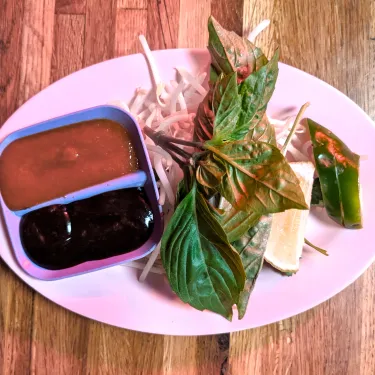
(100, 303)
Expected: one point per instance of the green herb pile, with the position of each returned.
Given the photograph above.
(212, 256)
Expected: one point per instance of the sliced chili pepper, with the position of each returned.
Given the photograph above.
(316, 194)
(338, 170)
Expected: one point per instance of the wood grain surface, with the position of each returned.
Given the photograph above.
(44, 40)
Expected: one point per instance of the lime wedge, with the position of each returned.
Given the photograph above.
(285, 243)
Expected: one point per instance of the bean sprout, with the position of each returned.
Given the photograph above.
(257, 30)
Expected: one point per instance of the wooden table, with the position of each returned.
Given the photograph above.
(44, 40)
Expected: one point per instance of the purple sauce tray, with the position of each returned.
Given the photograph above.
(144, 177)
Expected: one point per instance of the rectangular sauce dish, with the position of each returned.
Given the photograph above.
(78, 193)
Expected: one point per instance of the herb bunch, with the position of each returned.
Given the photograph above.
(212, 256)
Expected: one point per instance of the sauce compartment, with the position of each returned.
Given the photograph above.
(141, 178)
(103, 226)
(51, 164)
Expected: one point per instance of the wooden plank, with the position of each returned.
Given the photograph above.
(229, 14)
(11, 20)
(116, 351)
(367, 331)
(212, 354)
(68, 45)
(367, 301)
(132, 4)
(59, 342)
(286, 347)
(70, 7)
(192, 32)
(254, 12)
(99, 31)
(180, 355)
(328, 47)
(25, 63)
(356, 40)
(370, 74)
(258, 351)
(16, 309)
(130, 23)
(60, 339)
(327, 339)
(334, 338)
(195, 355)
(163, 20)
(37, 40)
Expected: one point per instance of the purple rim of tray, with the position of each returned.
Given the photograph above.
(144, 177)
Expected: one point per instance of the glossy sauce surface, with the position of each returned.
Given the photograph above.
(109, 224)
(57, 162)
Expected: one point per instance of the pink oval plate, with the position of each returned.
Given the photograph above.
(115, 296)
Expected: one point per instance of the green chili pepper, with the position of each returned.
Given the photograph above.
(338, 170)
(316, 194)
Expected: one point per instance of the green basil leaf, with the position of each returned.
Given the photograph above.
(251, 248)
(218, 113)
(256, 91)
(227, 108)
(210, 172)
(232, 53)
(204, 119)
(213, 76)
(207, 192)
(235, 223)
(235, 110)
(181, 192)
(185, 185)
(263, 131)
(258, 178)
(225, 94)
(203, 269)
